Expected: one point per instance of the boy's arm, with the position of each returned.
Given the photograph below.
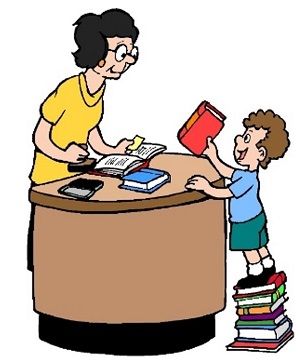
(212, 153)
(200, 183)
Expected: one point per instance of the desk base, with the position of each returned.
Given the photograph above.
(127, 339)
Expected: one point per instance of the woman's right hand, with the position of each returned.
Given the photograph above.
(75, 154)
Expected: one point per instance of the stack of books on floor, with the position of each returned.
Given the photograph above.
(262, 324)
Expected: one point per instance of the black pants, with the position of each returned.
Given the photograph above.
(30, 237)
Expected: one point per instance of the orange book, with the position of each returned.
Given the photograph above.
(206, 121)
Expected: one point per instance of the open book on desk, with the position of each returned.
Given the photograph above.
(120, 165)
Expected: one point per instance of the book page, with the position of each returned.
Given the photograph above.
(146, 150)
(218, 116)
(116, 161)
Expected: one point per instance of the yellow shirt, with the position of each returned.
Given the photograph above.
(73, 113)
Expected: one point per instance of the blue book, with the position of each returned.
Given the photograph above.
(145, 180)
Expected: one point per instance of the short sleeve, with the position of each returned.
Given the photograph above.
(54, 106)
(241, 183)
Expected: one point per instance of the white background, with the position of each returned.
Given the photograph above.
(239, 55)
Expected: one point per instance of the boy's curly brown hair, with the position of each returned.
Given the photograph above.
(276, 141)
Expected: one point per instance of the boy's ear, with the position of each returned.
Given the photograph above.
(262, 151)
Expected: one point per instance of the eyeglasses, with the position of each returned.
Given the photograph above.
(121, 52)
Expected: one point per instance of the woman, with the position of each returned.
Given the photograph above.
(71, 114)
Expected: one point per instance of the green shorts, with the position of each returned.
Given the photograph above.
(249, 235)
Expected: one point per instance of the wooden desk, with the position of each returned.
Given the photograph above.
(130, 273)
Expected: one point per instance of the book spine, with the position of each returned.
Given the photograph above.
(253, 310)
(256, 323)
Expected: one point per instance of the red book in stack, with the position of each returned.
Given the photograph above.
(206, 121)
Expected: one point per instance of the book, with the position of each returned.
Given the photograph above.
(122, 164)
(206, 121)
(263, 316)
(260, 323)
(272, 333)
(273, 282)
(261, 309)
(262, 299)
(145, 180)
(262, 346)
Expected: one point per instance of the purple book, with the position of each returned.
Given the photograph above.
(263, 316)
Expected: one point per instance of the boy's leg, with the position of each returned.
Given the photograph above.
(255, 270)
(267, 261)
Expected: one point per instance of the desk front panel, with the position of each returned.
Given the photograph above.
(147, 266)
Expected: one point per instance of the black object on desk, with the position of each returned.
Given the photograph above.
(81, 188)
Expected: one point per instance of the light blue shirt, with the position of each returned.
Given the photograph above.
(245, 203)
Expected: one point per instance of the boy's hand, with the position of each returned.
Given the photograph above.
(211, 150)
(197, 182)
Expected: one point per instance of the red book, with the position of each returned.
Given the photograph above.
(206, 121)
(260, 346)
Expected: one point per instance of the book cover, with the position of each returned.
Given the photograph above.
(145, 180)
(206, 121)
(261, 345)
(273, 282)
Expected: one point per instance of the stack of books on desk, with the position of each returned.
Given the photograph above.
(262, 324)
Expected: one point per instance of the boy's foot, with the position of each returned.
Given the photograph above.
(268, 272)
(252, 281)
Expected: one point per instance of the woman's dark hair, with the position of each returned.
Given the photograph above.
(92, 31)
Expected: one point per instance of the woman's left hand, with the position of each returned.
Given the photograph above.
(121, 147)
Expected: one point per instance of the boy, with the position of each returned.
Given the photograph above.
(265, 139)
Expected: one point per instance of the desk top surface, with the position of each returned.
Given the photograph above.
(111, 198)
